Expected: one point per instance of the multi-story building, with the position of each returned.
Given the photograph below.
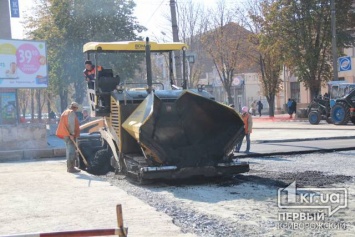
(245, 89)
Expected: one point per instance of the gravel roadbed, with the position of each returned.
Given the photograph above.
(246, 205)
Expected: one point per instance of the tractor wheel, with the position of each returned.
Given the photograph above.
(314, 117)
(352, 120)
(100, 164)
(340, 113)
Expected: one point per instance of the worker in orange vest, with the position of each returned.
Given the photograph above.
(248, 126)
(68, 129)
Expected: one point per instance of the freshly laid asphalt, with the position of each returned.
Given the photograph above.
(270, 136)
(281, 136)
(284, 136)
(298, 147)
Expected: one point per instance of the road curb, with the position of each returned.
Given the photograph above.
(268, 119)
(305, 128)
(30, 154)
(302, 139)
(14, 155)
(250, 155)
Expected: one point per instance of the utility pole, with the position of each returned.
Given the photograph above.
(175, 29)
(334, 41)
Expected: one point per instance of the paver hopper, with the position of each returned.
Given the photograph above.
(193, 131)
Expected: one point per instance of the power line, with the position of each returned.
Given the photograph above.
(155, 11)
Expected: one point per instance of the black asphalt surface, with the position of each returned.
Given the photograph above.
(297, 147)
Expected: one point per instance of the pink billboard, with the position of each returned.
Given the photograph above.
(23, 64)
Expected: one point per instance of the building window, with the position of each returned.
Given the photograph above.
(295, 91)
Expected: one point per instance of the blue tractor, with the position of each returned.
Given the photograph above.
(335, 106)
(344, 109)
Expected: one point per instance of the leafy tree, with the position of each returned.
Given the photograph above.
(302, 29)
(45, 27)
(66, 25)
(266, 51)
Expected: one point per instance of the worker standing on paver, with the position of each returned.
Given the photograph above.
(68, 129)
(248, 125)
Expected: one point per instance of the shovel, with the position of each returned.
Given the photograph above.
(81, 154)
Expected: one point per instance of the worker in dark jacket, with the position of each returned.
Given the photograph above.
(89, 73)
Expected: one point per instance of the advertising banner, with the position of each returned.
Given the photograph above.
(8, 106)
(23, 64)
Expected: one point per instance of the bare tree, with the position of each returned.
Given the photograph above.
(191, 17)
(265, 51)
(23, 95)
(227, 44)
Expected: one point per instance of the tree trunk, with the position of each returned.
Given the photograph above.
(79, 92)
(39, 108)
(229, 96)
(314, 88)
(314, 92)
(32, 105)
(63, 100)
(271, 102)
(49, 109)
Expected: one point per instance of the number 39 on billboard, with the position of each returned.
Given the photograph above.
(23, 64)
